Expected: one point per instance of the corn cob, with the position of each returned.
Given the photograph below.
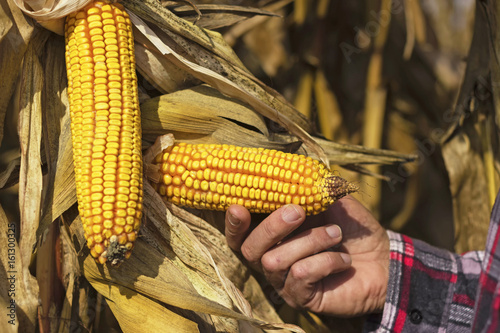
(217, 176)
(106, 128)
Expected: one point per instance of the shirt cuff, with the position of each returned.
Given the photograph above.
(427, 289)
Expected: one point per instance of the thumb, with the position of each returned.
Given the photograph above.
(237, 224)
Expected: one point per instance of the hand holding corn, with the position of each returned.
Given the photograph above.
(301, 258)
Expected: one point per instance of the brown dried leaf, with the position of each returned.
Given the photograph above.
(60, 191)
(165, 76)
(30, 136)
(202, 112)
(152, 11)
(137, 313)
(235, 81)
(150, 273)
(15, 33)
(214, 16)
(45, 10)
(228, 263)
(19, 292)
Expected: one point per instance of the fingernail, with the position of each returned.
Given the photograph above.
(235, 222)
(346, 258)
(290, 214)
(333, 231)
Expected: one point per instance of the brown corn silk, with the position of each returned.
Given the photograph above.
(106, 128)
(210, 176)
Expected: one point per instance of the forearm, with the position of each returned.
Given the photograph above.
(429, 289)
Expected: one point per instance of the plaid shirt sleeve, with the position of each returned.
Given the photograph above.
(433, 290)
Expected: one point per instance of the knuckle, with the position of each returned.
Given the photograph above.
(249, 254)
(333, 260)
(298, 272)
(270, 262)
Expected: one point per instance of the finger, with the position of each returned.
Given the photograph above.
(303, 285)
(270, 231)
(279, 259)
(237, 224)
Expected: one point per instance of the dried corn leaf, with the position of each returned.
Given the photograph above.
(240, 85)
(45, 10)
(151, 274)
(15, 33)
(193, 253)
(9, 268)
(152, 11)
(70, 276)
(202, 111)
(203, 115)
(228, 263)
(346, 154)
(60, 193)
(136, 312)
(30, 136)
(161, 73)
(19, 292)
(215, 16)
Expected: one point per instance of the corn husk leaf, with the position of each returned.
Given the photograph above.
(30, 136)
(8, 266)
(240, 85)
(50, 10)
(15, 29)
(60, 193)
(135, 311)
(214, 16)
(15, 270)
(163, 75)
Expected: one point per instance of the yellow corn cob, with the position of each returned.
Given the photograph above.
(106, 128)
(217, 176)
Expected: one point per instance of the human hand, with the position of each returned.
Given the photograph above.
(295, 254)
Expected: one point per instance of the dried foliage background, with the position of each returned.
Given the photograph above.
(366, 86)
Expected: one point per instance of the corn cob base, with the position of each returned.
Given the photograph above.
(106, 128)
(217, 176)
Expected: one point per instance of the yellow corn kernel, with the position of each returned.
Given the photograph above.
(260, 179)
(105, 124)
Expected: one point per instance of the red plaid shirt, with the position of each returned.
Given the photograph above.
(433, 290)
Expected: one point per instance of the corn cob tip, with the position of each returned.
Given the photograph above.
(337, 187)
(116, 253)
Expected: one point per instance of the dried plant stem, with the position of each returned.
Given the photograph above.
(375, 103)
(488, 159)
